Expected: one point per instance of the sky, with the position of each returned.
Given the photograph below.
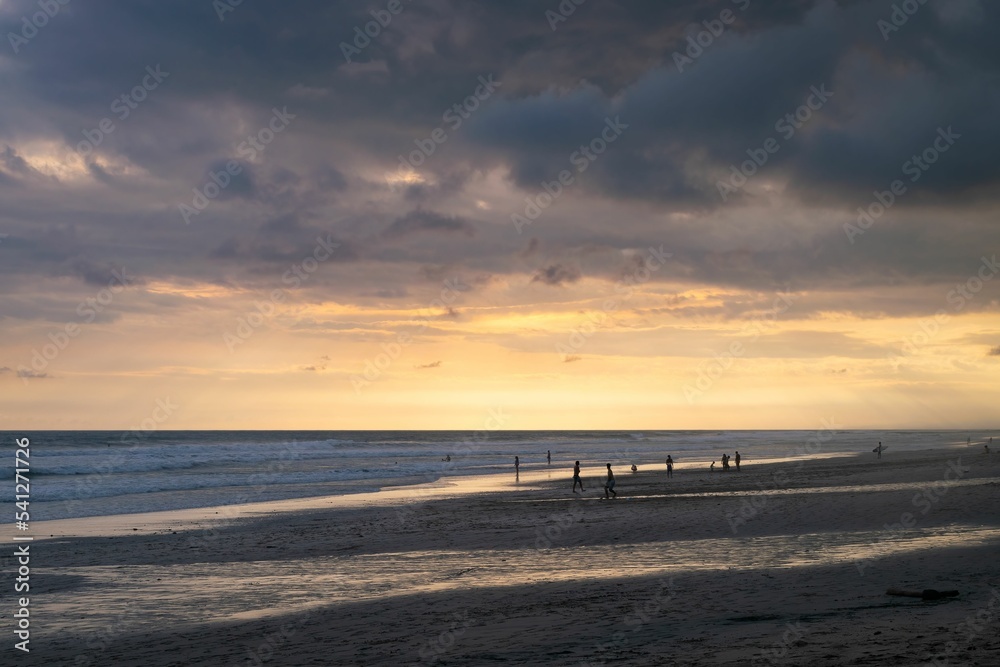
(431, 214)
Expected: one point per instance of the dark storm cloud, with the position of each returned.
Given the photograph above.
(428, 221)
(288, 222)
(261, 253)
(102, 276)
(352, 121)
(14, 162)
(557, 274)
(886, 104)
(396, 293)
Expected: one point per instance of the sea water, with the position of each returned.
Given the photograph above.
(93, 473)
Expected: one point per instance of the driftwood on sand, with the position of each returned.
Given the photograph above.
(926, 594)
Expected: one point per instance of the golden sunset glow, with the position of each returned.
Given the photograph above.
(389, 244)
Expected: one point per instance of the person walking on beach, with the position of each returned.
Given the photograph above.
(517, 465)
(725, 463)
(610, 484)
(737, 461)
(576, 477)
(670, 466)
(548, 456)
(711, 468)
(878, 450)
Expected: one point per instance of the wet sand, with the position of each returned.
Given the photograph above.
(779, 564)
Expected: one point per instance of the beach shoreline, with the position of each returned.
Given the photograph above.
(527, 572)
(534, 477)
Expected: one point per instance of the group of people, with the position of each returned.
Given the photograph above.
(609, 485)
(725, 463)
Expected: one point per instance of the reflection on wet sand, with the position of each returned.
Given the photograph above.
(207, 592)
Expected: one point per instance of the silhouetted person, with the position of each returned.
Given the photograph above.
(576, 477)
(517, 465)
(711, 468)
(878, 450)
(548, 456)
(670, 466)
(610, 484)
(737, 461)
(634, 469)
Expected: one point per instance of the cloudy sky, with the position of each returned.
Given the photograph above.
(631, 214)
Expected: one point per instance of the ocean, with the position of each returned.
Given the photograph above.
(95, 473)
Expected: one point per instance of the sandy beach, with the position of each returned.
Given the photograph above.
(783, 563)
